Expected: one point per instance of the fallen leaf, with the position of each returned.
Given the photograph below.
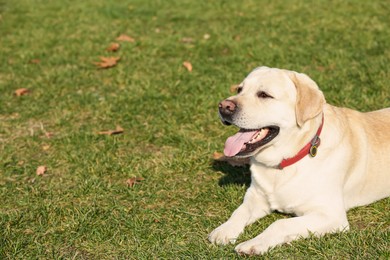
(233, 88)
(41, 170)
(113, 47)
(125, 38)
(49, 134)
(21, 91)
(218, 156)
(118, 130)
(107, 62)
(187, 65)
(132, 181)
(35, 61)
(235, 162)
(45, 147)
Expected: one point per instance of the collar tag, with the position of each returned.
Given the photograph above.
(314, 146)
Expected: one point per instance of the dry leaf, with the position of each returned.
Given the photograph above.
(45, 147)
(21, 91)
(235, 162)
(35, 61)
(187, 65)
(118, 130)
(49, 134)
(41, 170)
(218, 156)
(233, 88)
(107, 62)
(125, 38)
(113, 47)
(132, 181)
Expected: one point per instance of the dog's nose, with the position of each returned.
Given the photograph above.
(227, 107)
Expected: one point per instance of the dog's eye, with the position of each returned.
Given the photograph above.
(239, 89)
(262, 94)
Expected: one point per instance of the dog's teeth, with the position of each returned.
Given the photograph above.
(254, 138)
(259, 135)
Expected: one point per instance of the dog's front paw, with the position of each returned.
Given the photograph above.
(252, 247)
(226, 233)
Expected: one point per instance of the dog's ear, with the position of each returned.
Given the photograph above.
(310, 99)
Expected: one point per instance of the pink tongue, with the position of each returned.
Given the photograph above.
(234, 143)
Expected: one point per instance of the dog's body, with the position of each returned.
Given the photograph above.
(352, 167)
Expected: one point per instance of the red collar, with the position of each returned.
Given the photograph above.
(310, 148)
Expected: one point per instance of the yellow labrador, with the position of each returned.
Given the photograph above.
(308, 158)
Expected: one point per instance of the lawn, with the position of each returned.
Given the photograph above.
(83, 207)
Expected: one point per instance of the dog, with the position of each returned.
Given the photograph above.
(308, 158)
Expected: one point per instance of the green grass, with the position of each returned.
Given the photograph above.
(82, 208)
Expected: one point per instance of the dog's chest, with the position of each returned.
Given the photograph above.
(280, 202)
(282, 192)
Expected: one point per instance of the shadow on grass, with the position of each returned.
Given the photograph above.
(232, 175)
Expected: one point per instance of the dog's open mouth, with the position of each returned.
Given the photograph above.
(248, 141)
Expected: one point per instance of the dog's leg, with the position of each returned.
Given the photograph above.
(286, 230)
(254, 207)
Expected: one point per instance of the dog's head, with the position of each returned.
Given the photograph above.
(270, 105)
